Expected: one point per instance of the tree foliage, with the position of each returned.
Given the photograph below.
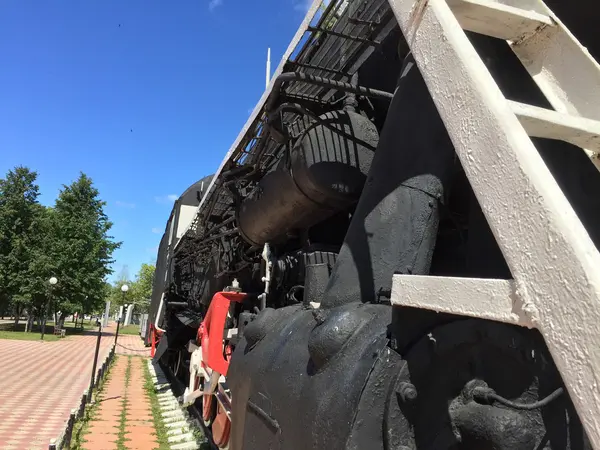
(70, 241)
(86, 248)
(140, 289)
(21, 215)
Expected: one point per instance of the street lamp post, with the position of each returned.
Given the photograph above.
(52, 281)
(124, 290)
(82, 313)
(96, 357)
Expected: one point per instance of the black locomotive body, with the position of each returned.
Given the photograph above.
(344, 176)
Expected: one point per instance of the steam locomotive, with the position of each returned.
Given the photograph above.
(272, 299)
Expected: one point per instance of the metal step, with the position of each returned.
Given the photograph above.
(547, 49)
(496, 19)
(545, 123)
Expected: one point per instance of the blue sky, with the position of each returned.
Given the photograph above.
(143, 96)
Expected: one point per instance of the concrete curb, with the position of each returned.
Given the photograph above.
(180, 426)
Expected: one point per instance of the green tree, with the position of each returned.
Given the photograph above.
(43, 262)
(139, 293)
(85, 248)
(115, 295)
(20, 218)
(141, 289)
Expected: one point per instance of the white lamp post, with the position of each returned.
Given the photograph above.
(124, 290)
(52, 281)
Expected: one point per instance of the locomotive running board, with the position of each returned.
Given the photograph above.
(550, 254)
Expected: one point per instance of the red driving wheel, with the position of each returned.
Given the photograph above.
(208, 410)
(221, 429)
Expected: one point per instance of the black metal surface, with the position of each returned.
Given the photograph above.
(117, 332)
(164, 260)
(315, 282)
(181, 327)
(488, 396)
(293, 356)
(302, 275)
(344, 36)
(395, 224)
(329, 378)
(324, 82)
(320, 55)
(451, 364)
(98, 339)
(324, 174)
(324, 380)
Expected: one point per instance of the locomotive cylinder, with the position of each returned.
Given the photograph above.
(324, 174)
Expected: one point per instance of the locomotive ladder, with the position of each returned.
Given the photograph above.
(555, 265)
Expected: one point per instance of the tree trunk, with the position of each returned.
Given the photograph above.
(29, 323)
(17, 314)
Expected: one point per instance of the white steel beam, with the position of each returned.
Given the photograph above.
(473, 297)
(545, 123)
(550, 254)
(496, 19)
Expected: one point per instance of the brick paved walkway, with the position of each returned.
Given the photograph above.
(40, 382)
(124, 392)
(132, 346)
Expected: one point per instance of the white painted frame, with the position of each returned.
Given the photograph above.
(550, 254)
(472, 297)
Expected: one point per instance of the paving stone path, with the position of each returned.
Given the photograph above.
(123, 394)
(131, 345)
(40, 382)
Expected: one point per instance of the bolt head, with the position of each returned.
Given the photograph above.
(407, 392)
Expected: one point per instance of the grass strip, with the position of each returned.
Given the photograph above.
(30, 336)
(121, 436)
(130, 330)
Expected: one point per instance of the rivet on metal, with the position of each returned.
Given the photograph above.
(407, 392)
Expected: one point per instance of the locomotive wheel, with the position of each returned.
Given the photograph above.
(215, 418)
(209, 406)
(474, 384)
(221, 428)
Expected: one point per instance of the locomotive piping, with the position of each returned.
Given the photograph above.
(349, 105)
(324, 82)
